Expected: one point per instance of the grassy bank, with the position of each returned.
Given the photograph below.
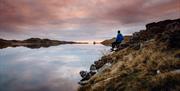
(153, 65)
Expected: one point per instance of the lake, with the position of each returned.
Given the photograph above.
(55, 68)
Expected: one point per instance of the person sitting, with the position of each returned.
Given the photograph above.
(118, 40)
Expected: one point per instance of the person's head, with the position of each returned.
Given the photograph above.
(119, 31)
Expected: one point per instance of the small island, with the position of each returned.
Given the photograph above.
(34, 43)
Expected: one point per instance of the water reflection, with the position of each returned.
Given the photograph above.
(46, 69)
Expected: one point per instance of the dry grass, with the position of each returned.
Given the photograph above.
(136, 70)
(165, 82)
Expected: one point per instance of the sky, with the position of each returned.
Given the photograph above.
(81, 20)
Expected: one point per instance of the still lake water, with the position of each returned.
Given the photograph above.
(46, 69)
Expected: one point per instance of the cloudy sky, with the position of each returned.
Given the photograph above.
(80, 20)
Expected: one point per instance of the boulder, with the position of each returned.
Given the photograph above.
(85, 75)
(99, 64)
(93, 68)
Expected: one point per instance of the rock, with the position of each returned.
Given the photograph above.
(83, 82)
(158, 71)
(98, 64)
(161, 25)
(104, 67)
(93, 68)
(86, 75)
(173, 26)
(172, 38)
(83, 73)
(154, 29)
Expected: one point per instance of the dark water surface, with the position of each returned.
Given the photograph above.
(46, 69)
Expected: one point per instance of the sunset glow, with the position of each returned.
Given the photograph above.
(80, 20)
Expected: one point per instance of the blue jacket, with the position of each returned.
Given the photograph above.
(119, 38)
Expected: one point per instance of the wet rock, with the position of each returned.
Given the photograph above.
(85, 75)
(93, 68)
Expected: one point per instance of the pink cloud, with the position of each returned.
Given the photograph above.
(77, 15)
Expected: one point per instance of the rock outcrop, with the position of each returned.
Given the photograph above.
(159, 29)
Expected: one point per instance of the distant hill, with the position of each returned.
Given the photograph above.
(34, 43)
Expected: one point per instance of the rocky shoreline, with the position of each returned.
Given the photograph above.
(146, 61)
(34, 43)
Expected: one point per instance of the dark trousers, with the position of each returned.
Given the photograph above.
(115, 44)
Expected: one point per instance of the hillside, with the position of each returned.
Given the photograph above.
(149, 62)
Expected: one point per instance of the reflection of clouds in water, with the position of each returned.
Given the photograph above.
(49, 59)
(40, 78)
(62, 58)
(45, 69)
(47, 85)
(67, 72)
